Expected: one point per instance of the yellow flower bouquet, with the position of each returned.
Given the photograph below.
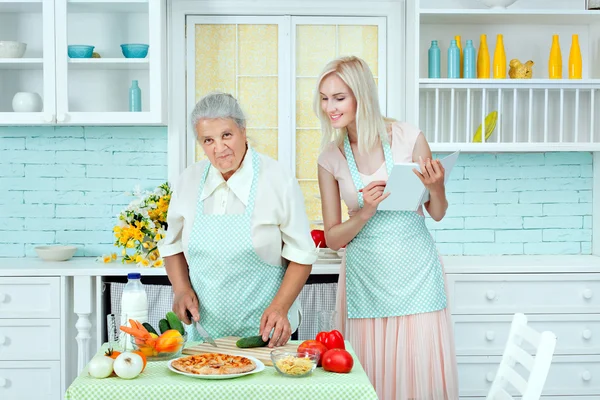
(141, 226)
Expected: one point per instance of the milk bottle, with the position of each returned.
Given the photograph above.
(134, 301)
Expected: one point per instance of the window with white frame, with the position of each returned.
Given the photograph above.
(271, 64)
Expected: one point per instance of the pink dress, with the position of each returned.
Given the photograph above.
(405, 357)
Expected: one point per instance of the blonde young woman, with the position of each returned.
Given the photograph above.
(391, 290)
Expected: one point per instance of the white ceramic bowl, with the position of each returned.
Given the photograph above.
(27, 102)
(10, 49)
(55, 253)
(499, 4)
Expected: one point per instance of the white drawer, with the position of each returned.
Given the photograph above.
(29, 339)
(39, 380)
(526, 293)
(487, 334)
(568, 375)
(34, 297)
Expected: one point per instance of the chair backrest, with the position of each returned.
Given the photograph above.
(537, 365)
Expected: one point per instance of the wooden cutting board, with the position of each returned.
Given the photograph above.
(227, 345)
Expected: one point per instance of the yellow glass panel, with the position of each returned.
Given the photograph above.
(199, 154)
(307, 152)
(315, 48)
(310, 189)
(305, 115)
(264, 141)
(360, 41)
(258, 98)
(215, 59)
(258, 49)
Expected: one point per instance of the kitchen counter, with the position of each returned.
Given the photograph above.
(88, 266)
(72, 291)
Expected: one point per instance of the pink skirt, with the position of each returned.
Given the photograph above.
(406, 357)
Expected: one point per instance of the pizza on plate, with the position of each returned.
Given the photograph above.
(213, 364)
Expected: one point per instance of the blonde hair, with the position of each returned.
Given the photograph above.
(370, 123)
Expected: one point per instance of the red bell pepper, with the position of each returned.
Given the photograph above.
(332, 339)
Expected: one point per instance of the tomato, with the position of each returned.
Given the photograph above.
(337, 360)
(313, 346)
(318, 237)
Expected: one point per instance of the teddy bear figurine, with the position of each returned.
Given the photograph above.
(520, 71)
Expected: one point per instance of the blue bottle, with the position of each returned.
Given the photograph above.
(434, 60)
(469, 61)
(135, 97)
(453, 60)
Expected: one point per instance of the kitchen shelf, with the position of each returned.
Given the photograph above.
(521, 147)
(510, 83)
(109, 63)
(542, 113)
(508, 17)
(23, 6)
(108, 6)
(21, 63)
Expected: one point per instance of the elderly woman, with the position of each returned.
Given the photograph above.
(238, 248)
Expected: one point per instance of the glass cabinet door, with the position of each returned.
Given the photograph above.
(27, 62)
(240, 56)
(318, 41)
(94, 83)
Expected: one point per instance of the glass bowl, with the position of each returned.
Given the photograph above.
(294, 364)
(165, 347)
(134, 50)
(80, 51)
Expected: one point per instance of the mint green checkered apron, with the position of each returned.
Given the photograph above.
(234, 285)
(392, 265)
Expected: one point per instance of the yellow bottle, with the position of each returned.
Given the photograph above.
(555, 60)
(499, 59)
(575, 65)
(457, 37)
(483, 59)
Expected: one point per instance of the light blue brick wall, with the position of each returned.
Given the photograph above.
(66, 185)
(530, 203)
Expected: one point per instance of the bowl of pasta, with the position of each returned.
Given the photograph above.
(294, 364)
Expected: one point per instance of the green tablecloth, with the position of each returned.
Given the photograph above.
(158, 382)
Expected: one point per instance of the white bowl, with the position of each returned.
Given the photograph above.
(27, 102)
(55, 253)
(10, 49)
(498, 4)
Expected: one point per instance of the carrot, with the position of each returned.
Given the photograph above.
(136, 332)
(137, 325)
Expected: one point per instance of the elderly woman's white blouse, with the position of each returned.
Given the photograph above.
(280, 228)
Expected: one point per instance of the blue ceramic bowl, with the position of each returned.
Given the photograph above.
(80, 51)
(134, 50)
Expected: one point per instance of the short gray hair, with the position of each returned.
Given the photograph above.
(218, 105)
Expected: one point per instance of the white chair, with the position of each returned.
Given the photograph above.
(537, 365)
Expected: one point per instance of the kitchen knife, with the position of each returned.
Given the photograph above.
(205, 336)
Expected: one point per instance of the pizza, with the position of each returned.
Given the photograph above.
(213, 364)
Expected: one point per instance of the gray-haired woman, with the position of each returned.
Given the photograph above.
(238, 248)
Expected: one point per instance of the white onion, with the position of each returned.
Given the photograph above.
(100, 367)
(128, 365)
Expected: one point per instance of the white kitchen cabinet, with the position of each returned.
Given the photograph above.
(563, 300)
(538, 114)
(91, 91)
(30, 338)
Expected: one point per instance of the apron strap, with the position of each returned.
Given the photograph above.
(358, 183)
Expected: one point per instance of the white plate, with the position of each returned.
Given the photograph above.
(259, 367)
